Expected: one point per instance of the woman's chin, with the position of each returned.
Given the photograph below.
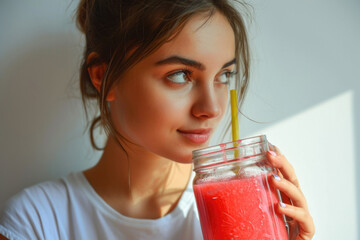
(185, 159)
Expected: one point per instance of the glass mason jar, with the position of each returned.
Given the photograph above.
(234, 197)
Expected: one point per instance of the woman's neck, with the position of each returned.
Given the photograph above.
(140, 184)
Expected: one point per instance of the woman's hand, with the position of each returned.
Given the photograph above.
(302, 228)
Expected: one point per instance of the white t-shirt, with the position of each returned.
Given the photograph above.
(69, 208)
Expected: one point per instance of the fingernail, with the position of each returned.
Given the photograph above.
(272, 153)
(276, 177)
(282, 204)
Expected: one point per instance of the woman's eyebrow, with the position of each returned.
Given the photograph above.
(189, 62)
(229, 63)
(181, 60)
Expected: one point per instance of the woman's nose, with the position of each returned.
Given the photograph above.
(206, 104)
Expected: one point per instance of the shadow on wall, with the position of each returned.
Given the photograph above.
(41, 127)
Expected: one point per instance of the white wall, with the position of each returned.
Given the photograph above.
(41, 117)
(305, 87)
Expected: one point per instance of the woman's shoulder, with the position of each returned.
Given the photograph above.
(43, 194)
(38, 207)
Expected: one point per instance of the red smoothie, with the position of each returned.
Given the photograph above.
(239, 209)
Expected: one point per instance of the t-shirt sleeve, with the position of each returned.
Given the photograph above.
(19, 218)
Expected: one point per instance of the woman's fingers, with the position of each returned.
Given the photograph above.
(294, 193)
(288, 184)
(279, 161)
(303, 218)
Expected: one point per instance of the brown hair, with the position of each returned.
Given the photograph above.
(113, 28)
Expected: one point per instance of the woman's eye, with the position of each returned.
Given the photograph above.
(226, 77)
(180, 77)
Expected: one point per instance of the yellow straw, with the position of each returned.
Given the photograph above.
(234, 115)
(234, 120)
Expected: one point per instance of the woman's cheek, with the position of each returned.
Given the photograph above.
(173, 109)
(161, 110)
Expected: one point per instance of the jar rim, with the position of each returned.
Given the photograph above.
(216, 154)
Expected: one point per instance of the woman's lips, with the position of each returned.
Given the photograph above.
(196, 135)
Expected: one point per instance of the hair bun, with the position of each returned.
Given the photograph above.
(82, 14)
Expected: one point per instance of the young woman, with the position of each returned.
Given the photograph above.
(159, 72)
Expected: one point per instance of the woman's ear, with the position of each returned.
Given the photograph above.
(96, 73)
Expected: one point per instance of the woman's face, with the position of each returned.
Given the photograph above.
(171, 102)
